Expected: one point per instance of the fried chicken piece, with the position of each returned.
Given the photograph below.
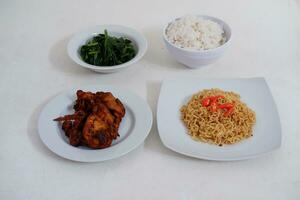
(113, 104)
(74, 137)
(85, 101)
(115, 107)
(72, 124)
(96, 132)
(66, 126)
(105, 115)
(96, 120)
(103, 112)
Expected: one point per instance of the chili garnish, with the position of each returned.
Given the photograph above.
(212, 101)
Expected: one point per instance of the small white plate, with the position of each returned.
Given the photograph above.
(134, 128)
(254, 92)
(138, 40)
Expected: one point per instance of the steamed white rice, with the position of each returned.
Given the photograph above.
(192, 32)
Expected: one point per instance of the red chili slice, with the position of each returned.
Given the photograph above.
(226, 105)
(216, 98)
(208, 100)
(229, 112)
(212, 101)
(213, 107)
(205, 102)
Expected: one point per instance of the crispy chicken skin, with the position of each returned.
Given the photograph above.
(71, 125)
(96, 132)
(85, 101)
(96, 120)
(113, 104)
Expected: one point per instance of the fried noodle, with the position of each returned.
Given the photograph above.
(213, 127)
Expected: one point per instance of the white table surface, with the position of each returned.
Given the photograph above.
(34, 66)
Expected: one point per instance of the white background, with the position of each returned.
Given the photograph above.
(34, 66)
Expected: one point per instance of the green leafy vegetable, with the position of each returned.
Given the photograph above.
(105, 50)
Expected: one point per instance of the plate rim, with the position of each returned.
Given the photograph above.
(146, 111)
(206, 157)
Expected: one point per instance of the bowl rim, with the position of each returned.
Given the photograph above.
(215, 19)
(136, 36)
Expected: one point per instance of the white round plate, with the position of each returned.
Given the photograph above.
(138, 40)
(134, 128)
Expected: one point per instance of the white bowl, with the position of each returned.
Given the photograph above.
(198, 58)
(80, 38)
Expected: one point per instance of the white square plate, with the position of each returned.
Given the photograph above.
(254, 92)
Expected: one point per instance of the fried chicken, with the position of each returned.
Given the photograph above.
(96, 120)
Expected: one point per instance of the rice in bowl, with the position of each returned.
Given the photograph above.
(195, 33)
